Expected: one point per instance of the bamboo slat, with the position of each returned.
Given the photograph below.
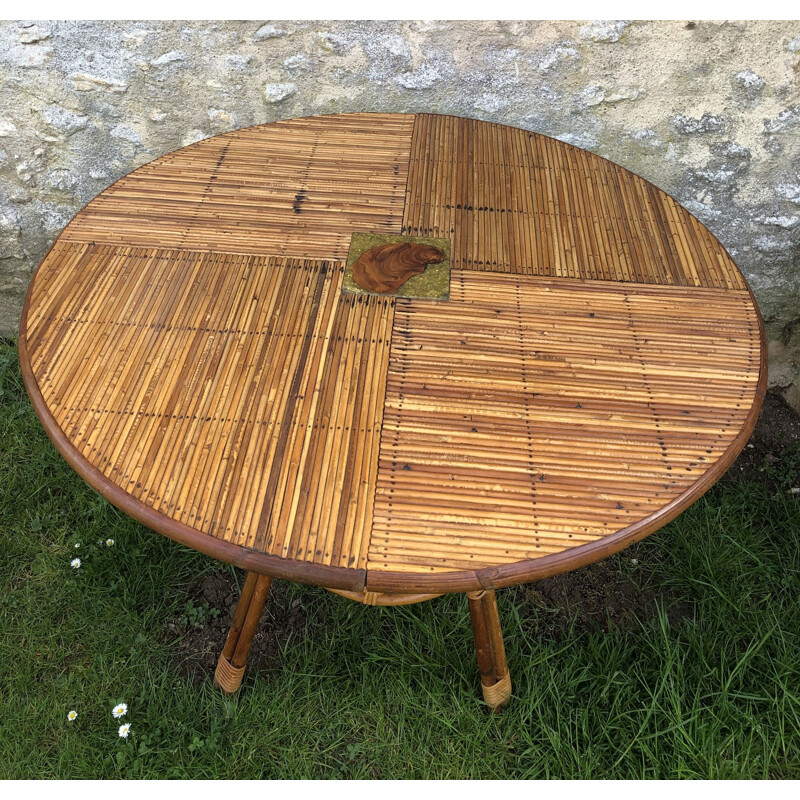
(189, 348)
(525, 418)
(193, 403)
(519, 202)
(294, 188)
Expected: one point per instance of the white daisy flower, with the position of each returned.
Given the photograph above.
(123, 730)
(72, 716)
(120, 710)
(75, 563)
(109, 542)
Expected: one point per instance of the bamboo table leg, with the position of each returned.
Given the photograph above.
(491, 655)
(230, 667)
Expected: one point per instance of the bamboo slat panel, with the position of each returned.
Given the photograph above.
(178, 375)
(153, 204)
(188, 347)
(517, 202)
(526, 418)
(295, 188)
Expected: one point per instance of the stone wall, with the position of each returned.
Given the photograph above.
(708, 111)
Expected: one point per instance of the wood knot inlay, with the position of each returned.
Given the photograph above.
(385, 268)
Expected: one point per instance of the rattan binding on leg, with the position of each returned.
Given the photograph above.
(489, 649)
(227, 677)
(497, 695)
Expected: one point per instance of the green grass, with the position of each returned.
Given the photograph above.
(361, 692)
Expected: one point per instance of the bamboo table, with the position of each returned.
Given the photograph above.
(532, 359)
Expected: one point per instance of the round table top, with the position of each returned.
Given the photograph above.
(584, 361)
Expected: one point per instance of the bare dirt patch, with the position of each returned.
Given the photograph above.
(203, 622)
(769, 456)
(599, 596)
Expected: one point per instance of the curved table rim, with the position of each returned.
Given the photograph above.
(345, 578)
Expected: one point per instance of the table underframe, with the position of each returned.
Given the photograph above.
(486, 631)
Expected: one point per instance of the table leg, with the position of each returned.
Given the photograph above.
(230, 667)
(491, 655)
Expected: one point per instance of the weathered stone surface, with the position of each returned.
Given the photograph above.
(790, 191)
(424, 77)
(62, 119)
(84, 82)
(604, 30)
(10, 230)
(708, 123)
(559, 55)
(275, 92)
(268, 32)
(168, 58)
(30, 34)
(780, 221)
(238, 63)
(787, 120)
(127, 133)
(594, 95)
(296, 64)
(709, 111)
(192, 136)
(747, 79)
